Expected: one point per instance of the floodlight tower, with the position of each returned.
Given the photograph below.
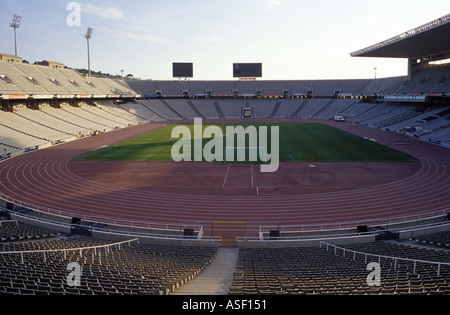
(15, 24)
(88, 36)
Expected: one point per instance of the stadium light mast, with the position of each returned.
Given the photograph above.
(88, 36)
(15, 24)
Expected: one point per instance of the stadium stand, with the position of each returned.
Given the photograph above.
(125, 269)
(117, 113)
(66, 121)
(44, 80)
(13, 231)
(140, 110)
(324, 271)
(206, 108)
(436, 240)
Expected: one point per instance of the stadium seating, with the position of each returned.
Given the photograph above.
(161, 109)
(24, 82)
(159, 269)
(128, 270)
(69, 121)
(43, 80)
(142, 111)
(436, 240)
(206, 108)
(428, 80)
(116, 112)
(316, 271)
(11, 231)
(50, 125)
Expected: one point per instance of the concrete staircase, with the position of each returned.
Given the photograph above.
(216, 278)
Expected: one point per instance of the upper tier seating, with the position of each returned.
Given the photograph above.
(21, 78)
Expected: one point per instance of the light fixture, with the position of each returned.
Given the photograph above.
(15, 24)
(88, 36)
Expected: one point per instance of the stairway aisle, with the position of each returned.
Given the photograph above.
(216, 278)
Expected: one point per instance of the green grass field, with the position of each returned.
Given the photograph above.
(298, 143)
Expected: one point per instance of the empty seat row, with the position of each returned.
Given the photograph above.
(14, 231)
(318, 271)
(134, 269)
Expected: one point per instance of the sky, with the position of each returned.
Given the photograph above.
(293, 39)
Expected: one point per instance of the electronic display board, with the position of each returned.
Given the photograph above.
(247, 70)
(183, 70)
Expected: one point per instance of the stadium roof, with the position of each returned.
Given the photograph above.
(428, 40)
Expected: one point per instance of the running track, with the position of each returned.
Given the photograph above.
(44, 179)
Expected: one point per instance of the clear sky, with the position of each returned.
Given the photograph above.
(294, 39)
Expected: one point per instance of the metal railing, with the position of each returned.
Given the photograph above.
(142, 233)
(89, 218)
(387, 222)
(379, 257)
(66, 250)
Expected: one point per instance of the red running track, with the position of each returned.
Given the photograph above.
(45, 179)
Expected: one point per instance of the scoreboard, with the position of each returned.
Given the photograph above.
(183, 70)
(247, 70)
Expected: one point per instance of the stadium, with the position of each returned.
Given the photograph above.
(92, 204)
